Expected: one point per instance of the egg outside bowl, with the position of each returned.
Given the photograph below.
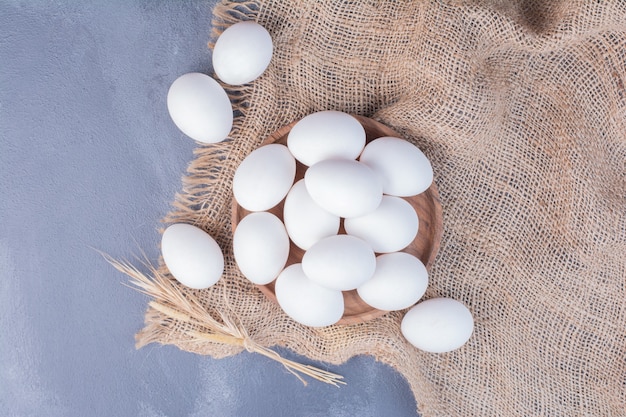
(425, 245)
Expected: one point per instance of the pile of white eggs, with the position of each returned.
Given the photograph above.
(361, 186)
(365, 193)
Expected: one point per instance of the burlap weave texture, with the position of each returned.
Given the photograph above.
(521, 108)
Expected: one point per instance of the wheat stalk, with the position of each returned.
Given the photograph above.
(170, 301)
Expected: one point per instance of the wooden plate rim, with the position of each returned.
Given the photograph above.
(432, 194)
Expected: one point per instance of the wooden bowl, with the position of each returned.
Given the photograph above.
(424, 246)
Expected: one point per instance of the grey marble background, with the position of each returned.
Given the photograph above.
(90, 159)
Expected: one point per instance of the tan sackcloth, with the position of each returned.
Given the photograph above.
(521, 107)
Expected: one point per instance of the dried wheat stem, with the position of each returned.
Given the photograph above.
(216, 338)
(175, 314)
(295, 368)
(170, 301)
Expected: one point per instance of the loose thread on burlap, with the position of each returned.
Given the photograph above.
(184, 308)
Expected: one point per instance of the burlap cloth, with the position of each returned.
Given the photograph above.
(521, 107)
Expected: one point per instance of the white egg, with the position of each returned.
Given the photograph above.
(305, 301)
(306, 222)
(325, 135)
(399, 281)
(339, 262)
(389, 228)
(242, 53)
(192, 256)
(261, 247)
(343, 187)
(404, 169)
(200, 108)
(438, 325)
(264, 177)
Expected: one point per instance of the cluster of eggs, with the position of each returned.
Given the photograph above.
(347, 183)
(365, 194)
